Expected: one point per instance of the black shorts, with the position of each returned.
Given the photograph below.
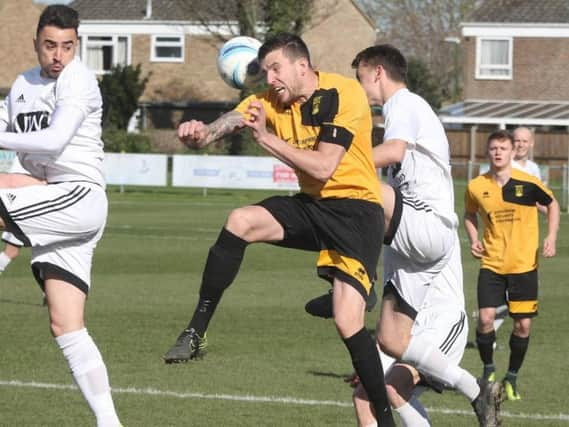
(519, 291)
(347, 233)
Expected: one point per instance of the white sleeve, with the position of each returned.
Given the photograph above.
(400, 124)
(64, 124)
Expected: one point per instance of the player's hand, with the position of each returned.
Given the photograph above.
(549, 247)
(193, 134)
(256, 120)
(477, 249)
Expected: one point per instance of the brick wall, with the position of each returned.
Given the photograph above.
(18, 21)
(337, 32)
(539, 71)
(197, 79)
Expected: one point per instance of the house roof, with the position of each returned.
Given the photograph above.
(169, 10)
(161, 10)
(503, 113)
(521, 11)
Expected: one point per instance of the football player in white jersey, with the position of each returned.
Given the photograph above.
(52, 119)
(524, 141)
(422, 239)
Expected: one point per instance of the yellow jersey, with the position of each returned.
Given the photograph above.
(510, 218)
(338, 113)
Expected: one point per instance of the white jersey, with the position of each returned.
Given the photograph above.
(424, 173)
(30, 107)
(530, 167)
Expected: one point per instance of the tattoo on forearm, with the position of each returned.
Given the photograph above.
(226, 124)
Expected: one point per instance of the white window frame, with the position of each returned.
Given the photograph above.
(155, 43)
(508, 67)
(113, 42)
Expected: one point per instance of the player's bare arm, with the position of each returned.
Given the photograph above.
(196, 134)
(549, 243)
(388, 153)
(320, 163)
(471, 227)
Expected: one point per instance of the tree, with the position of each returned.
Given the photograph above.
(421, 81)
(121, 89)
(254, 18)
(419, 28)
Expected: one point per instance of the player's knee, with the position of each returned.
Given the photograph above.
(390, 344)
(486, 321)
(522, 327)
(57, 328)
(238, 222)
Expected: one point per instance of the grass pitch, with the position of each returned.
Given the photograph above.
(269, 363)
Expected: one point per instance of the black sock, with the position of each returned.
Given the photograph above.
(222, 265)
(367, 364)
(486, 346)
(518, 349)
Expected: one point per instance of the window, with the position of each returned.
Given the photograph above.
(494, 58)
(101, 53)
(167, 49)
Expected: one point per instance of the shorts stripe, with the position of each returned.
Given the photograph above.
(417, 204)
(48, 206)
(454, 333)
(522, 307)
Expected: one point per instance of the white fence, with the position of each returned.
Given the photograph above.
(232, 172)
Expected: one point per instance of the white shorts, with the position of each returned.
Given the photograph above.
(62, 223)
(445, 327)
(420, 288)
(420, 233)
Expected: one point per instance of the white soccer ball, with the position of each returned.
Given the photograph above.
(237, 62)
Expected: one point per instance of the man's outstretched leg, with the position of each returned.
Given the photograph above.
(222, 265)
(244, 225)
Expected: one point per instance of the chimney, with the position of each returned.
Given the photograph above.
(148, 9)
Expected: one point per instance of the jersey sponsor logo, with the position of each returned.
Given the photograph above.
(21, 98)
(321, 108)
(519, 190)
(316, 105)
(32, 121)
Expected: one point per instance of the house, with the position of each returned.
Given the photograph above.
(516, 54)
(170, 41)
(16, 43)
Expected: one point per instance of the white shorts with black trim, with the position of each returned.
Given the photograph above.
(62, 223)
(422, 235)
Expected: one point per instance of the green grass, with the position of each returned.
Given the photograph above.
(147, 270)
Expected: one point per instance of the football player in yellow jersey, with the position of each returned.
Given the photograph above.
(320, 125)
(505, 200)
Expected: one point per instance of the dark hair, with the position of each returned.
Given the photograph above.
(389, 57)
(292, 45)
(500, 135)
(60, 16)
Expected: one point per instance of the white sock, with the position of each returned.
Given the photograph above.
(430, 360)
(90, 374)
(4, 261)
(413, 414)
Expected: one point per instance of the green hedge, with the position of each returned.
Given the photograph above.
(117, 141)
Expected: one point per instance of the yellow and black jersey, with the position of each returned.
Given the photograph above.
(337, 113)
(510, 218)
